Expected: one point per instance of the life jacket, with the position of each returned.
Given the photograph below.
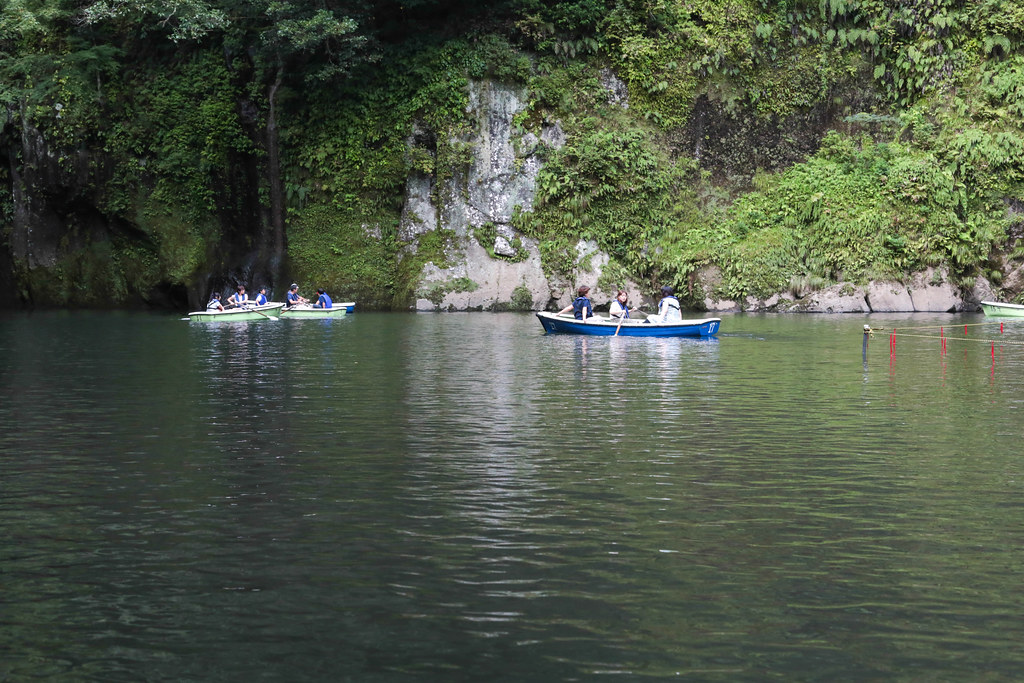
(624, 307)
(325, 301)
(579, 304)
(668, 304)
(214, 305)
(261, 300)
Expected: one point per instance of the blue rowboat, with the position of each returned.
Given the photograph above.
(1001, 310)
(705, 327)
(240, 314)
(336, 311)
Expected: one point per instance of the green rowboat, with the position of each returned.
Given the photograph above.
(270, 311)
(1000, 310)
(303, 312)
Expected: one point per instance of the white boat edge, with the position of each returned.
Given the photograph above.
(999, 304)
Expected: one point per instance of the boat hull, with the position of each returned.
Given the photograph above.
(264, 312)
(1001, 310)
(305, 312)
(604, 327)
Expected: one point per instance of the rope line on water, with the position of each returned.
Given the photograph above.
(942, 337)
(966, 339)
(939, 327)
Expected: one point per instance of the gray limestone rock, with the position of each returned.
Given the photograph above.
(499, 178)
(931, 291)
(618, 91)
(889, 297)
(419, 215)
(982, 291)
(839, 298)
(503, 247)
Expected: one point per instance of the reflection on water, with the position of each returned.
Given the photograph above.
(463, 497)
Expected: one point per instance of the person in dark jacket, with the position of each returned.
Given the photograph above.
(581, 307)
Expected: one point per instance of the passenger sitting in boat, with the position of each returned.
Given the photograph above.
(293, 296)
(668, 308)
(323, 301)
(620, 306)
(239, 298)
(581, 308)
(261, 298)
(215, 304)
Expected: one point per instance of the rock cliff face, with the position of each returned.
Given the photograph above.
(61, 237)
(50, 200)
(53, 205)
(487, 264)
(466, 204)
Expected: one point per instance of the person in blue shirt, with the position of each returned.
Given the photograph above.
(293, 296)
(261, 298)
(581, 307)
(323, 301)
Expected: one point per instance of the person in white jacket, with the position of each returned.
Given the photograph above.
(669, 310)
(620, 307)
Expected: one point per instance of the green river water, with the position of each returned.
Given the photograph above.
(461, 497)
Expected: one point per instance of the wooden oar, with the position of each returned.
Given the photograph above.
(250, 308)
(621, 318)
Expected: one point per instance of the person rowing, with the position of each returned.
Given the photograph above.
(620, 306)
(239, 298)
(293, 298)
(581, 307)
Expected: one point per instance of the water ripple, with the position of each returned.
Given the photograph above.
(462, 497)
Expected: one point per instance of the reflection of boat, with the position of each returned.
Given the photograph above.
(704, 327)
(263, 312)
(994, 308)
(336, 311)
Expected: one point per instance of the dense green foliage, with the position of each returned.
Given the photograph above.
(920, 180)
(768, 145)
